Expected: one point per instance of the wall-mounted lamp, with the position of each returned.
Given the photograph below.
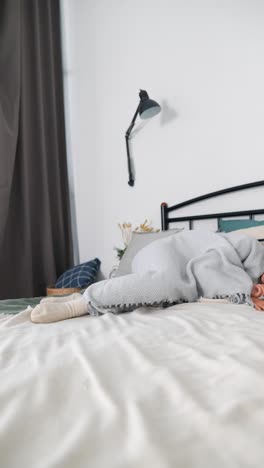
(147, 108)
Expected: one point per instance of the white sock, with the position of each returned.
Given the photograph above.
(53, 312)
(72, 297)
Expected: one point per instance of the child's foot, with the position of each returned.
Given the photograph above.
(53, 312)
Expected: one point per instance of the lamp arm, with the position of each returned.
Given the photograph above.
(134, 118)
(130, 175)
(131, 180)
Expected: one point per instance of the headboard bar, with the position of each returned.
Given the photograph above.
(165, 209)
(215, 194)
(216, 216)
(164, 217)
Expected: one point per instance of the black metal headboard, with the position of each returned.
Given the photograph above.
(165, 209)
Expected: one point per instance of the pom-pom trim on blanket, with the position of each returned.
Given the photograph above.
(238, 298)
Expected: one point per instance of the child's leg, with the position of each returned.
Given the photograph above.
(126, 293)
(53, 312)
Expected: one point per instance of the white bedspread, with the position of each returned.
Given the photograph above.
(175, 388)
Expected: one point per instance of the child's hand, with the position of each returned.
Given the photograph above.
(258, 303)
(256, 293)
(257, 290)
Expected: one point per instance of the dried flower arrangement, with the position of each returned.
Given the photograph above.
(127, 231)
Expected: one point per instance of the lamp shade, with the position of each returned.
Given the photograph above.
(148, 108)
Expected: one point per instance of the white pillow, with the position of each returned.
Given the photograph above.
(138, 241)
(257, 232)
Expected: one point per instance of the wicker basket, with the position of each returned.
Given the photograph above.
(52, 291)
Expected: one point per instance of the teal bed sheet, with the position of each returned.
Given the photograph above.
(14, 306)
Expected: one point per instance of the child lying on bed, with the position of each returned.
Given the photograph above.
(180, 268)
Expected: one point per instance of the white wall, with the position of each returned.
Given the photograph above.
(203, 61)
(68, 44)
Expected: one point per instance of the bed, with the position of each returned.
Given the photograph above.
(161, 388)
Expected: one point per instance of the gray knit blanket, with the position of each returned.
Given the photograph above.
(183, 268)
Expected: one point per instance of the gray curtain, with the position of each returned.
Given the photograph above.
(35, 233)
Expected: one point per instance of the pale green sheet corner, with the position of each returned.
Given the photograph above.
(14, 306)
